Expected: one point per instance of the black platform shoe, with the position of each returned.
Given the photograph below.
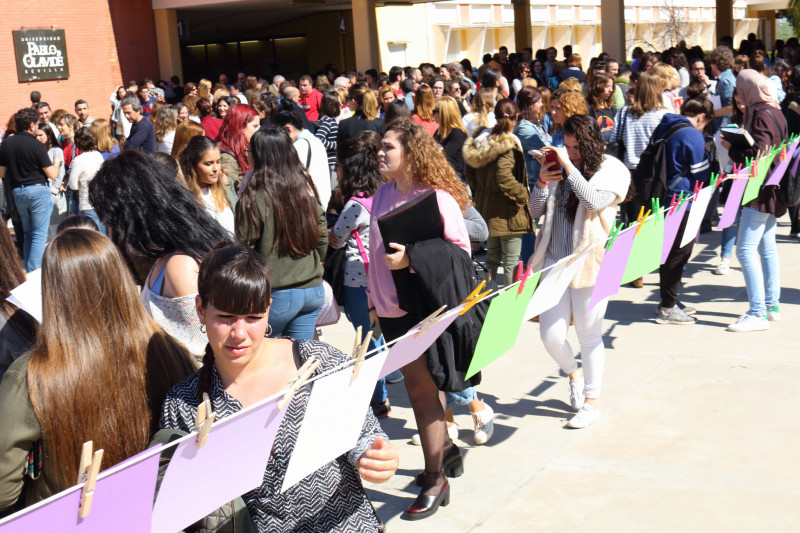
(452, 464)
(426, 504)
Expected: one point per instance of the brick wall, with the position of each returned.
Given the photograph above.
(109, 42)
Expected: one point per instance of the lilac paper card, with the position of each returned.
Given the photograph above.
(198, 481)
(671, 226)
(780, 170)
(553, 283)
(696, 215)
(123, 503)
(733, 202)
(612, 268)
(333, 419)
(408, 348)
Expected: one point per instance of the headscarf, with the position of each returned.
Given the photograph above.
(752, 88)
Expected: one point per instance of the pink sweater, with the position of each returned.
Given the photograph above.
(381, 292)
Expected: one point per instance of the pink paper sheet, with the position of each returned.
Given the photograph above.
(672, 223)
(780, 169)
(733, 202)
(612, 268)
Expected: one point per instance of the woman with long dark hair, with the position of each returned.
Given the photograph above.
(578, 198)
(242, 367)
(98, 356)
(202, 171)
(163, 232)
(240, 123)
(279, 215)
(496, 175)
(529, 129)
(17, 328)
(414, 164)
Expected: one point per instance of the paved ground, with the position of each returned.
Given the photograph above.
(700, 428)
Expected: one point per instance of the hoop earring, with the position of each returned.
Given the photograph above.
(269, 331)
(202, 328)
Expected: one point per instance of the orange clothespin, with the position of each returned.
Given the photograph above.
(474, 297)
(429, 321)
(299, 379)
(359, 356)
(522, 277)
(88, 469)
(204, 420)
(641, 220)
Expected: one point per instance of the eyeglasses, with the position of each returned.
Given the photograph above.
(526, 70)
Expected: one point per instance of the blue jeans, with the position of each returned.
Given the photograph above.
(528, 245)
(761, 275)
(463, 397)
(728, 237)
(294, 312)
(34, 205)
(357, 310)
(91, 214)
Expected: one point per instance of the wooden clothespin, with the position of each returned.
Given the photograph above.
(204, 420)
(356, 341)
(474, 297)
(522, 277)
(88, 469)
(303, 373)
(429, 321)
(359, 355)
(577, 254)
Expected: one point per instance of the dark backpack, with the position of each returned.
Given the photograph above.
(650, 176)
(789, 192)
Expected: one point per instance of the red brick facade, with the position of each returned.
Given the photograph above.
(109, 42)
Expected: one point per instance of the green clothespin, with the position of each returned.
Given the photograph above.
(714, 178)
(682, 199)
(656, 202)
(612, 235)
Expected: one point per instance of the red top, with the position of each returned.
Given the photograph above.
(311, 103)
(68, 147)
(211, 125)
(430, 125)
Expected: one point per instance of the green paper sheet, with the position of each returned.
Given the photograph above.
(502, 324)
(647, 247)
(754, 184)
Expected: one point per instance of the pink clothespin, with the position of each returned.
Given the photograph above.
(783, 154)
(523, 277)
(674, 200)
(697, 187)
(737, 169)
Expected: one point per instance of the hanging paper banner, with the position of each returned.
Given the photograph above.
(734, 201)
(780, 170)
(609, 278)
(696, 212)
(645, 256)
(672, 223)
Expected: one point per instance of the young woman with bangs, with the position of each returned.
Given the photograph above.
(202, 171)
(563, 105)
(242, 366)
(424, 107)
(163, 232)
(279, 215)
(600, 100)
(240, 123)
(99, 365)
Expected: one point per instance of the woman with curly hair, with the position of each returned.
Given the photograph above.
(414, 164)
(564, 104)
(578, 198)
(600, 100)
(240, 123)
(166, 122)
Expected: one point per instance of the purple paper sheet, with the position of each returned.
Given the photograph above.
(612, 268)
(122, 502)
(780, 170)
(733, 203)
(408, 348)
(232, 462)
(672, 223)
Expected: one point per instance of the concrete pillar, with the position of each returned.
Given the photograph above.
(724, 19)
(169, 49)
(523, 35)
(612, 32)
(365, 35)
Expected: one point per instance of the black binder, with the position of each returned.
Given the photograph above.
(417, 220)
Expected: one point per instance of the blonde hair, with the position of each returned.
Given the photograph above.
(183, 133)
(101, 129)
(204, 83)
(424, 102)
(219, 93)
(530, 82)
(166, 120)
(647, 96)
(482, 105)
(670, 79)
(449, 117)
(571, 84)
(365, 99)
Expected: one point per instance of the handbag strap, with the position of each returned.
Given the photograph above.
(366, 204)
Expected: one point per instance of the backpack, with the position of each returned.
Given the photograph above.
(650, 176)
(789, 192)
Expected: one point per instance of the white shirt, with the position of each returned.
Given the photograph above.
(242, 98)
(224, 217)
(166, 145)
(318, 166)
(84, 168)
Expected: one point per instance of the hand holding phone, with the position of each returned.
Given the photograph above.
(551, 161)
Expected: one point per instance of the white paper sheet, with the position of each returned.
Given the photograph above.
(28, 296)
(717, 101)
(553, 284)
(334, 418)
(696, 213)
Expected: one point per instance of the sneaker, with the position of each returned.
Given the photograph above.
(484, 425)
(723, 267)
(686, 309)
(773, 314)
(750, 323)
(674, 316)
(452, 431)
(394, 377)
(585, 417)
(381, 410)
(576, 397)
(637, 283)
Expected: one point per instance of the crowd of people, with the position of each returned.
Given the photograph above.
(195, 224)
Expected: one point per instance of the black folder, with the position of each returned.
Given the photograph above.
(417, 220)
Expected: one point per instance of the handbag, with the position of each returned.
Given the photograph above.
(329, 314)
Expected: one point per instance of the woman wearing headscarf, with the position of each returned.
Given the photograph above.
(755, 242)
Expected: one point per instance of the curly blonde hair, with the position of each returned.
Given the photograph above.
(425, 161)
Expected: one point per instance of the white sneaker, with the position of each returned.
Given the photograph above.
(484, 425)
(773, 314)
(724, 266)
(576, 397)
(585, 417)
(750, 323)
(452, 431)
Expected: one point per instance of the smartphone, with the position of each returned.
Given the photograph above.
(536, 153)
(549, 158)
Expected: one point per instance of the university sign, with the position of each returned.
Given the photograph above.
(41, 55)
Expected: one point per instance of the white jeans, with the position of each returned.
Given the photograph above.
(553, 326)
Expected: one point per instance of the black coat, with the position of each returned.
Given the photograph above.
(444, 275)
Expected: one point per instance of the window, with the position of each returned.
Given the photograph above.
(480, 14)
(645, 13)
(630, 14)
(508, 14)
(564, 13)
(444, 14)
(588, 12)
(540, 14)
